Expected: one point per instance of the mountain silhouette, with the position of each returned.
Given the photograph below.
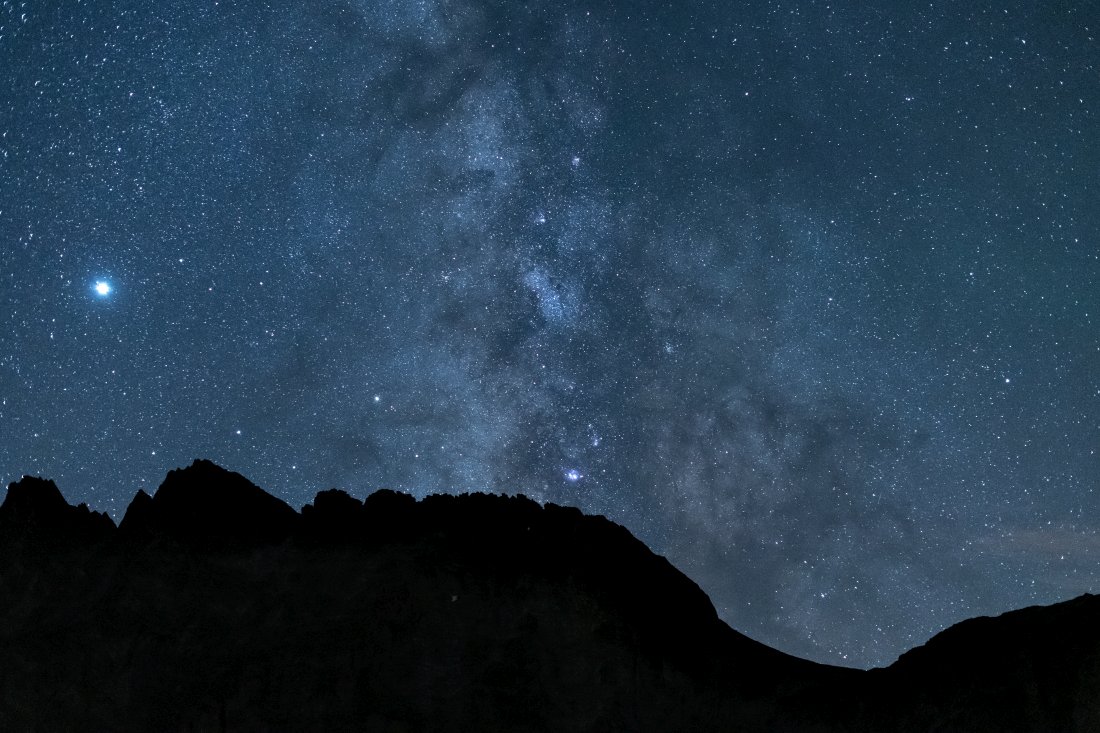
(215, 606)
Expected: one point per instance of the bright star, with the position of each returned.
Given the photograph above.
(573, 475)
(102, 287)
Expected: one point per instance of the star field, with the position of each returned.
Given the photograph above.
(803, 295)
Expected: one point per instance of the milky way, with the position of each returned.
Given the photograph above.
(804, 296)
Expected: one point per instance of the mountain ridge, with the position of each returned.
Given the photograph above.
(462, 612)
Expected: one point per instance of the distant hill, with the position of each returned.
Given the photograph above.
(214, 606)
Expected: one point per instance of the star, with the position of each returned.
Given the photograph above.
(573, 475)
(102, 288)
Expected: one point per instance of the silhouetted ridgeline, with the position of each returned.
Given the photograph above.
(215, 606)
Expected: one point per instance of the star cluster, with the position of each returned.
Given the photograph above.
(803, 295)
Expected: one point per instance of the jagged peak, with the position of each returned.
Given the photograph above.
(137, 514)
(34, 504)
(34, 494)
(207, 503)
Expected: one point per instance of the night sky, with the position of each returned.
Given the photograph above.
(804, 295)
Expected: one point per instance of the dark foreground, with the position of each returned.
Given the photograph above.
(216, 607)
